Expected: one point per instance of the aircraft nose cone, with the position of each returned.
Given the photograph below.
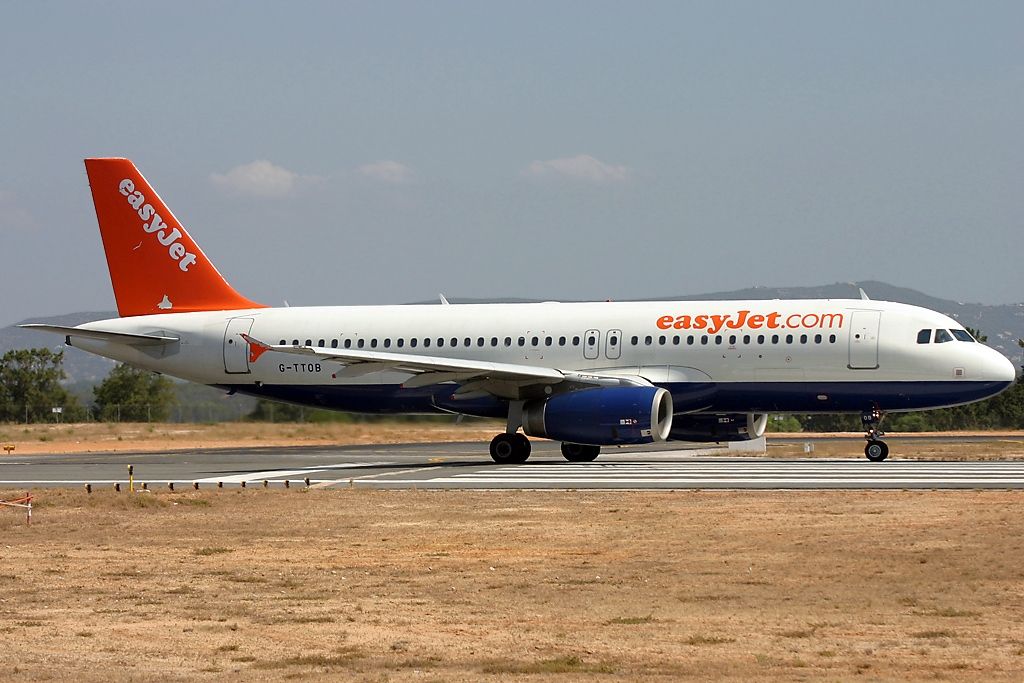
(1000, 368)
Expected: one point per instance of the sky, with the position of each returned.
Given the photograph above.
(382, 152)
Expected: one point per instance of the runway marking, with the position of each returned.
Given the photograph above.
(271, 474)
(332, 482)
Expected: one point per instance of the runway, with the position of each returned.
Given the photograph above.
(466, 466)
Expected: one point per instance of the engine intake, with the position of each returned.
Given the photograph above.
(605, 416)
(733, 427)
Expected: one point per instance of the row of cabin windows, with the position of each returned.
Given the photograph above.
(613, 340)
(733, 339)
(943, 336)
(441, 342)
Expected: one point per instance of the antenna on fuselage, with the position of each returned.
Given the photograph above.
(863, 294)
(444, 301)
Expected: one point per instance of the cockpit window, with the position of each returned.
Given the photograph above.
(962, 335)
(942, 336)
(924, 336)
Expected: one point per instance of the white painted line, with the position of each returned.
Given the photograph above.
(334, 482)
(270, 474)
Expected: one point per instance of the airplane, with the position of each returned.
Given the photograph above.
(585, 374)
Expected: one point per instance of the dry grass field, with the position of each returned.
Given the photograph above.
(525, 586)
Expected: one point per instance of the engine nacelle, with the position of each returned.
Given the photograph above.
(604, 416)
(733, 427)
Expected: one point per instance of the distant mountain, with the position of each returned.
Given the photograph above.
(1003, 324)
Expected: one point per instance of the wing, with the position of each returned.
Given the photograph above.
(128, 338)
(506, 380)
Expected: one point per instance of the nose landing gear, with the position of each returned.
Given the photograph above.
(876, 450)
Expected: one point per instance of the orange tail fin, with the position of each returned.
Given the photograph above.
(155, 266)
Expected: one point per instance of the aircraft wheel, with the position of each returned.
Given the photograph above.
(877, 451)
(510, 448)
(576, 452)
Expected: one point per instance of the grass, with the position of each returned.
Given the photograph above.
(699, 639)
(565, 664)
(630, 621)
(206, 551)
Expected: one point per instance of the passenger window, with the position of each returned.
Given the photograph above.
(924, 336)
(426, 342)
(803, 338)
(591, 340)
(547, 341)
(453, 342)
(440, 342)
(348, 343)
(387, 343)
(775, 339)
(576, 341)
(295, 342)
(635, 340)
(831, 339)
(817, 339)
(675, 340)
(334, 343)
(648, 340)
(689, 340)
(942, 336)
(494, 341)
(522, 341)
(962, 335)
(373, 343)
(321, 343)
(282, 343)
(732, 340)
(479, 341)
(508, 341)
(401, 342)
(534, 341)
(704, 340)
(309, 342)
(746, 339)
(467, 341)
(718, 339)
(361, 343)
(661, 340)
(789, 339)
(760, 339)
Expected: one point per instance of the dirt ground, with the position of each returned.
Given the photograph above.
(134, 437)
(503, 585)
(140, 437)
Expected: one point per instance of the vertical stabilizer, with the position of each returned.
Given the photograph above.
(155, 266)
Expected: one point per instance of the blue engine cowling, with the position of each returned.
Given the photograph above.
(730, 427)
(605, 416)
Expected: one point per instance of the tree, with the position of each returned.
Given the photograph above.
(30, 387)
(132, 395)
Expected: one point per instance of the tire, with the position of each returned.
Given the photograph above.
(876, 451)
(575, 452)
(521, 448)
(503, 448)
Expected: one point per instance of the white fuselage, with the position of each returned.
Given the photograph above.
(820, 354)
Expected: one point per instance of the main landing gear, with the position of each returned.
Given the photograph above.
(510, 448)
(577, 452)
(876, 450)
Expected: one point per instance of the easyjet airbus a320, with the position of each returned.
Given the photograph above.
(585, 374)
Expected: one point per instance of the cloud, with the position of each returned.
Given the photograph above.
(260, 179)
(387, 171)
(12, 215)
(582, 167)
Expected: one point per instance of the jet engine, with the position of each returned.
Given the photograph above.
(604, 416)
(731, 427)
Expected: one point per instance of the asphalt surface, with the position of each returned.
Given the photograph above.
(461, 465)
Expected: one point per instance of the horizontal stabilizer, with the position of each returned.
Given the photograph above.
(128, 338)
